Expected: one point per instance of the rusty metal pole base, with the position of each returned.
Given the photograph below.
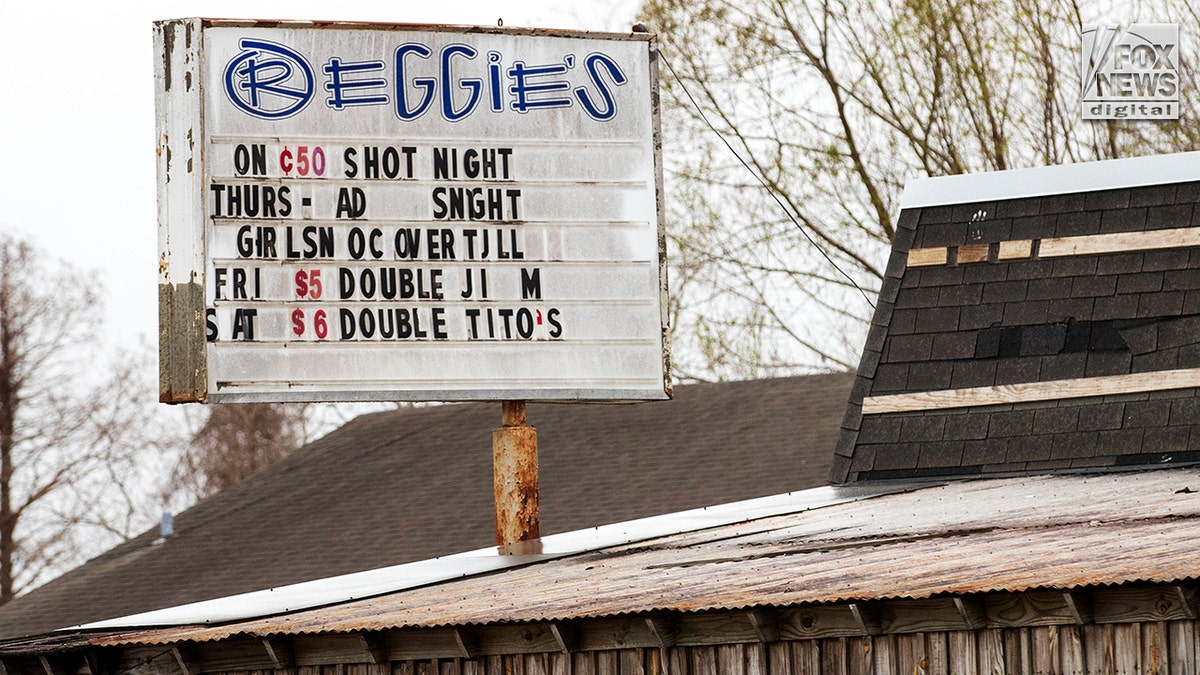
(515, 479)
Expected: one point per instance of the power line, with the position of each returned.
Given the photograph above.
(761, 181)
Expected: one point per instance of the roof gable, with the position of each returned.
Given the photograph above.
(1049, 327)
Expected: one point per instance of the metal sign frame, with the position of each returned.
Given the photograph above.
(357, 212)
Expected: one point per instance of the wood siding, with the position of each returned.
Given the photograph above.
(1166, 647)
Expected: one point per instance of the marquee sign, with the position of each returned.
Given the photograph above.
(385, 212)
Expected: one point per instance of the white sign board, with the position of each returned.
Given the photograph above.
(375, 212)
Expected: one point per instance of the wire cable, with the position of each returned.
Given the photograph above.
(761, 181)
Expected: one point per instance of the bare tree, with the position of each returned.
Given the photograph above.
(66, 427)
(832, 105)
(236, 440)
(84, 444)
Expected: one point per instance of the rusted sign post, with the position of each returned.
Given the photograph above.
(515, 477)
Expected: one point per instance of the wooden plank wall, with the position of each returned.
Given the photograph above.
(1166, 647)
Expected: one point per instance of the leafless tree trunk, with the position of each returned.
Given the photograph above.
(63, 425)
(8, 402)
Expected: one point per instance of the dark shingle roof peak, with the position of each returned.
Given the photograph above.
(1053, 324)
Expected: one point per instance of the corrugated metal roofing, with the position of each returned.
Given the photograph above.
(473, 563)
(1008, 534)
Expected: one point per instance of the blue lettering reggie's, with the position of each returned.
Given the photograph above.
(273, 81)
(268, 80)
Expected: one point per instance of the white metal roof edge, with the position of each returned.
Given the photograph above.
(1052, 180)
(403, 27)
(359, 585)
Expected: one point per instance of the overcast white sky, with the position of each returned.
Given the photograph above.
(77, 165)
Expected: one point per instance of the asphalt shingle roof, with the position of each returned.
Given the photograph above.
(415, 483)
(1032, 334)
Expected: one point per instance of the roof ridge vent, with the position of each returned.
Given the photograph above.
(166, 527)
